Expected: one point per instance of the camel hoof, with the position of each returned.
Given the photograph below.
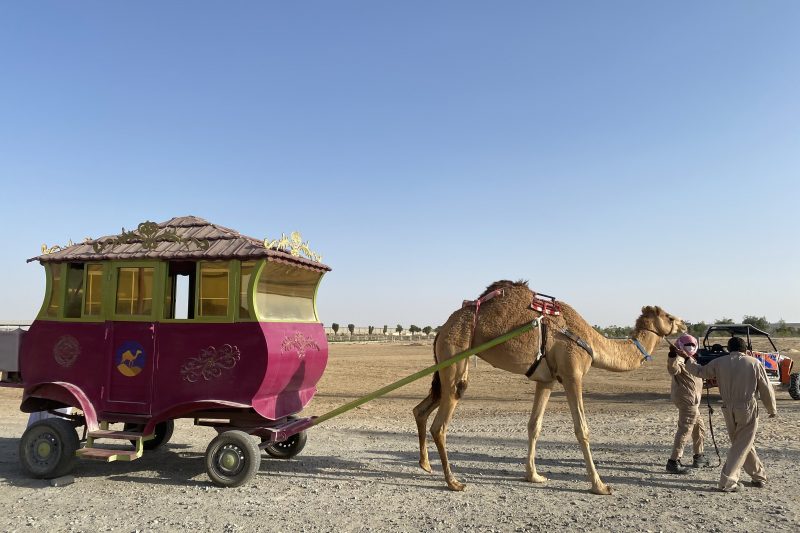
(456, 485)
(536, 478)
(602, 490)
(426, 466)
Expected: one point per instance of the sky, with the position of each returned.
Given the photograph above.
(615, 154)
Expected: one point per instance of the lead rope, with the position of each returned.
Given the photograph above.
(711, 425)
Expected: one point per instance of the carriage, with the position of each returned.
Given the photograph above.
(182, 319)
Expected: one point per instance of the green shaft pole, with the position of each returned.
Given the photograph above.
(425, 372)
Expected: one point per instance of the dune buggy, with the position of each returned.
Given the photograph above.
(760, 345)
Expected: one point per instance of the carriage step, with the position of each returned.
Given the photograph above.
(103, 454)
(110, 434)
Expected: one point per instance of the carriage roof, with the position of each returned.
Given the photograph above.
(182, 238)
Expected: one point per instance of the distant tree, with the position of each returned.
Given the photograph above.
(351, 328)
(437, 328)
(414, 329)
(723, 321)
(335, 328)
(758, 321)
(385, 329)
(370, 329)
(782, 330)
(698, 329)
(427, 330)
(399, 329)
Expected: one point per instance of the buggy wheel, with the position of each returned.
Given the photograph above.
(232, 459)
(47, 448)
(794, 386)
(286, 449)
(161, 435)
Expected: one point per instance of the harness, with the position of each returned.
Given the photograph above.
(546, 306)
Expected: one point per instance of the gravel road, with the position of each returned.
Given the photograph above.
(359, 471)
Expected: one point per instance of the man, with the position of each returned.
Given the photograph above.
(739, 376)
(686, 392)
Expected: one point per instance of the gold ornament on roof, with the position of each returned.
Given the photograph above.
(55, 248)
(293, 245)
(149, 235)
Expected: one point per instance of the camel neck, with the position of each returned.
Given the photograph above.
(622, 355)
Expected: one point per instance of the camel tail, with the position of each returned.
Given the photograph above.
(436, 382)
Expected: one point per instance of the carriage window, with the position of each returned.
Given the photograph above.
(55, 290)
(135, 291)
(244, 283)
(286, 292)
(93, 305)
(179, 293)
(214, 289)
(74, 299)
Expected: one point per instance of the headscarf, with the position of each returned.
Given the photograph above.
(687, 344)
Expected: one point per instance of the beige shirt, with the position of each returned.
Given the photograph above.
(686, 389)
(738, 376)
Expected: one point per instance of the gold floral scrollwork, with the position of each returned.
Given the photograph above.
(298, 343)
(294, 245)
(210, 363)
(149, 235)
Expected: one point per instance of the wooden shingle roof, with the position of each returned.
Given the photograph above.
(184, 238)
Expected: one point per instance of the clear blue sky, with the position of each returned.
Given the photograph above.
(615, 154)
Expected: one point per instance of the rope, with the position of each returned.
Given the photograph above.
(425, 372)
(711, 425)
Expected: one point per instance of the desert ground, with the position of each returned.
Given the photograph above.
(359, 471)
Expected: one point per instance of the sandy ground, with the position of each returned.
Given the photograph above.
(359, 471)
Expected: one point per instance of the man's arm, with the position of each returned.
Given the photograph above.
(674, 362)
(765, 389)
(707, 372)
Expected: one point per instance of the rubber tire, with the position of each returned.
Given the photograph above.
(794, 386)
(163, 432)
(63, 440)
(286, 449)
(245, 452)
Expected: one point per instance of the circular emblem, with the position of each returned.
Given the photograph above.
(66, 350)
(130, 358)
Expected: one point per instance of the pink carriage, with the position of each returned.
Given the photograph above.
(183, 319)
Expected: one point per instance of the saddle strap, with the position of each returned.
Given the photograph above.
(540, 354)
(577, 340)
(477, 303)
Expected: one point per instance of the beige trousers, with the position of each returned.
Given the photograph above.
(742, 425)
(689, 423)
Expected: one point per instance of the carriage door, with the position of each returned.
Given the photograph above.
(131, 342)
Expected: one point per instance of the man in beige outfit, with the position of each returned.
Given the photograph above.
(739, 376)
(686, 392)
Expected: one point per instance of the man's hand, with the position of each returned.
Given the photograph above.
(672, 351)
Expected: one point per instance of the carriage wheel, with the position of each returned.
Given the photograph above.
(286, 449)
(47, 448)
(161, 435)
(232, 459)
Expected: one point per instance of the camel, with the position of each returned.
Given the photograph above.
(565, 361)
(128, 358)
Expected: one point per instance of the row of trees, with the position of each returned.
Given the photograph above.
(399, 329)
(780, 329)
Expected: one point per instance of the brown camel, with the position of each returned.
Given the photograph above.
(564, 361)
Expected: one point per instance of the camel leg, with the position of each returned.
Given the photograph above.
(421, 414)
(540, 399)
(453, 381)
(574, 389)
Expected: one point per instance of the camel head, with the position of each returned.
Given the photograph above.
(660, 322)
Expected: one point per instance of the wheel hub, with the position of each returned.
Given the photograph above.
(230, 459)
(44, 449)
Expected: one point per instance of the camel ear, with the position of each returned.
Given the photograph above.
(660, 311)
